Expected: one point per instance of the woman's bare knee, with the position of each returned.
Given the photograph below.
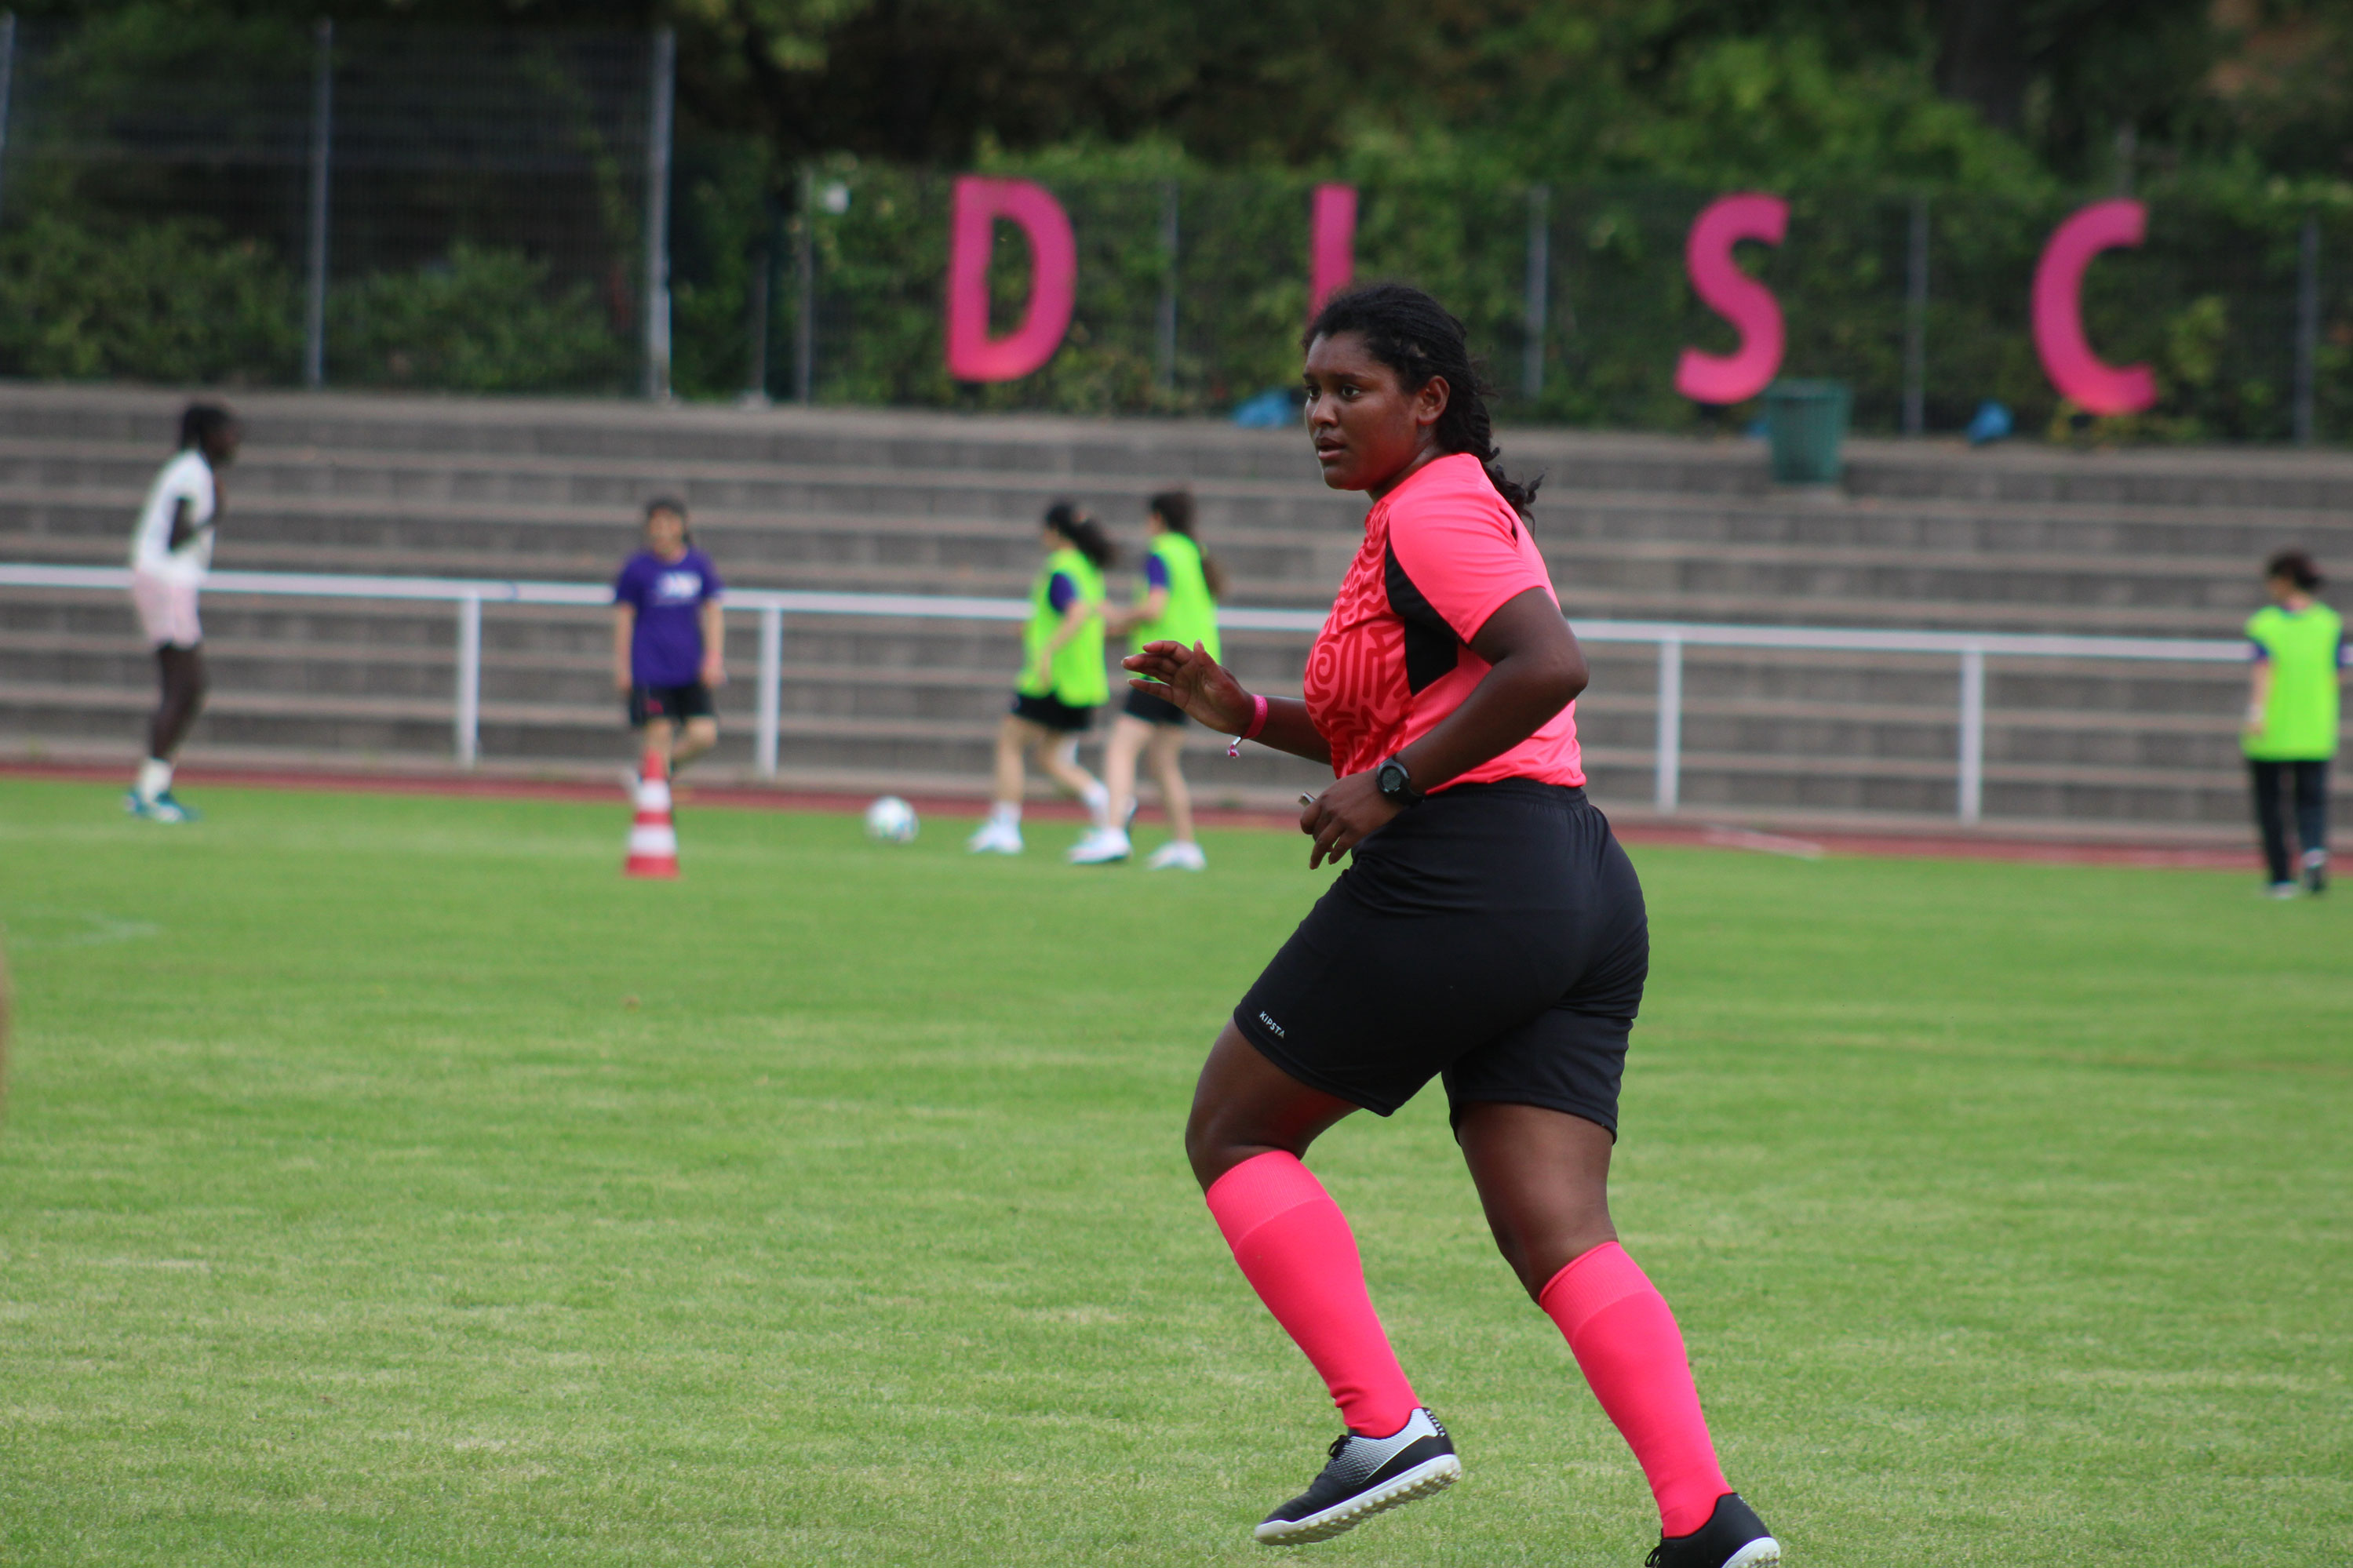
(1542, 1177)
(1536, 1254)
(1168, 768)
(1245, 1106)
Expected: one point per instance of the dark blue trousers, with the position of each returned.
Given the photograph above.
(2310, 784)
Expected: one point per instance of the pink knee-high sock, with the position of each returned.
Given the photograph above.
(1296, 1250)
(1626, 1343)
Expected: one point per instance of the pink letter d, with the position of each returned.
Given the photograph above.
(973, 354)
(2067, 357)
(1739, 298)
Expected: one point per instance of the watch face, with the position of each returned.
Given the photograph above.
(1391, 779)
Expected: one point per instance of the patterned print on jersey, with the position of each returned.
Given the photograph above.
(1354, 685)
(1441, 554)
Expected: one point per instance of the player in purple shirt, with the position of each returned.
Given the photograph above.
(668, 639)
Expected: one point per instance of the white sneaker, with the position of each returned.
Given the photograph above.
(163, 808)
(1101, 847)
(1176, 855)
(996, 839)
(1367, 1476)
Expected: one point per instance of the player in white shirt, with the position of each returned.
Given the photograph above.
(170, 552)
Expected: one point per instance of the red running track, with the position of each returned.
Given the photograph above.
(740, 797)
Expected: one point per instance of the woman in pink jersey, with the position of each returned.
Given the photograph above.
(1488, 930)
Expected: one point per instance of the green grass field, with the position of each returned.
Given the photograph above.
(388, 1181)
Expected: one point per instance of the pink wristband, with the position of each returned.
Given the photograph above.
(1257, 718)
(1258, 722)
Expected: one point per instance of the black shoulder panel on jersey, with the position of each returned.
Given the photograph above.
(1431, 649)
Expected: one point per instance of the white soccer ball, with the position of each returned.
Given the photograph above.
(891, 821)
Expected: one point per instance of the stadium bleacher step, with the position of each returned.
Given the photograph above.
(1638, 527)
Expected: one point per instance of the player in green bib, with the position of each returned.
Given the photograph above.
(1177, 602)
(2298, 647)
(1062, 682)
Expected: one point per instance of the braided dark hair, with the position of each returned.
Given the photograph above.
(1416, 336)
(1085, 534)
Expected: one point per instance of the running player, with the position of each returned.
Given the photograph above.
(171, 551)
(1488, 929)
(1062, 681)
(669, 642)
(2298, 646)
(1178, 603)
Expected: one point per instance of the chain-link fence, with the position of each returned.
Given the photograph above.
(1579, 301)
(187, 198)
(191, 198)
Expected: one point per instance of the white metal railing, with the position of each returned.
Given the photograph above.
(1971, 649)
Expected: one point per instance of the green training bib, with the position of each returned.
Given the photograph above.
(1191, 615)
(2300, 718)
(1077, 676)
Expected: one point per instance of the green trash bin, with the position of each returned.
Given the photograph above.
(1805, 421)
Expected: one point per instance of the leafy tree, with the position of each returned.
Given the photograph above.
(2282, 98)
(1972, 92)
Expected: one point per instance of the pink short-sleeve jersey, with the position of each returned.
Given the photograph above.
(1442, 551)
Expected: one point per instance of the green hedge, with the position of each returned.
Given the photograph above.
(482, 320)
(176, 301)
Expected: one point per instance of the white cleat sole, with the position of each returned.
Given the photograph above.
(1429, 1477)
(1763, 1553)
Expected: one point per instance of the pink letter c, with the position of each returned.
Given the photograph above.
(973, 354)
(2067, 357)
(1739, 298)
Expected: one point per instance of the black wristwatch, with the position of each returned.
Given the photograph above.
(1395, 783)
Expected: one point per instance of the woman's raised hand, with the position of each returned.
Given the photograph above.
(1190, 678)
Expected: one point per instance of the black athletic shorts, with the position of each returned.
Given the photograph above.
(1494, 933)
(1050, 712)
(675, 703)
(1151, 710)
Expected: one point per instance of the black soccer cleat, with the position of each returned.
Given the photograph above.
(1733, 1536)
(1366, 1476)
(2316, 871)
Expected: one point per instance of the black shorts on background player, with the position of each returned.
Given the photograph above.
(675, 703)
(1050, 712)
(1152, 710)
(1494, 933)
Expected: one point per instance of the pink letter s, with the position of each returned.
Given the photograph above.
(2067, 357)
(973, 354)
(1739, 298)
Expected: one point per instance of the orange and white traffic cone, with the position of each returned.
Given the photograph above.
(653, 836)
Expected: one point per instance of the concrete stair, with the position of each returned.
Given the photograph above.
(2017, 538)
